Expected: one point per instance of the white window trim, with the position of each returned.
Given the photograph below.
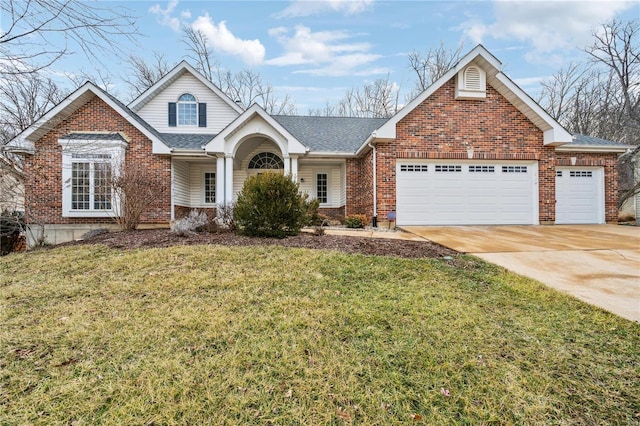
(204, 187)
(178, 102)
(465, 92)
(116, 149)
(315, 186)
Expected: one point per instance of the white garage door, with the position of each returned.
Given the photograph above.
(466, 193)
(579, 195)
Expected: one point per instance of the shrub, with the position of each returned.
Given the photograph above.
(195, 221)
(225, 216)
(355, 221)
(12, 227)
(137, 190)
(271, 205)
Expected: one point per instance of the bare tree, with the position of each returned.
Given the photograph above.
(430, 65)
(29, 40)
(377, 99)
(617, 48)
(135, 191)
(143, 75)
(245, 86)
(24, 100)
(601, 96)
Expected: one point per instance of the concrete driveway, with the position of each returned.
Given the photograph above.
(598, 264)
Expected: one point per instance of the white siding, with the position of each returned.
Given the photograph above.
(181, 183)
(336, 191)
(219, 113)
(197, 184)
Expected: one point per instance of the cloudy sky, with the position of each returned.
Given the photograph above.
(316, 50)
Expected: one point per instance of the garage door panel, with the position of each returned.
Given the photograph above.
(466, 193)
(579, 195)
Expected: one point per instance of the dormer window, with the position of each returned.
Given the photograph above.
(187, 112)
(471, 83)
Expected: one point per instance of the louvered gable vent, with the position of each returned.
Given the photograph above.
(472, 79)
(471, 83)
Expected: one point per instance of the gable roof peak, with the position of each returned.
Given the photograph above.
(176, 72)
(554, 133)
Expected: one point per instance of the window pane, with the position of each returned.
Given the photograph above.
(209, 187)
(80, 186)
(102, 186)
(321, 187)
(187, 97)
(187, 114)
(266, 160)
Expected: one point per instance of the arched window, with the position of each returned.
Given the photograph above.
(187, 110)
(266, 160)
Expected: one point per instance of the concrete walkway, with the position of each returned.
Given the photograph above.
(598, 264)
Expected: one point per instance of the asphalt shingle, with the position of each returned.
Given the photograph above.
(579, 139)
(95, 136)
(186, 140)
(330, 134)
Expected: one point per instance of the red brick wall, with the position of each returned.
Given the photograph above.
(43, 185)
(360, 186)
(335, 213)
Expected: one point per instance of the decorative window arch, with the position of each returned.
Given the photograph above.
(187, 110)
(266, 161)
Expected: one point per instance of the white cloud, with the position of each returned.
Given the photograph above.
(545, 25)
(221, 39)
(348, 65)
(164, 15)
(329, 51)
(298, 8)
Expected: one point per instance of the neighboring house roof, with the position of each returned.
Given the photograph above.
(330, 134)
(187, 141)
(554, 133)
(172, 76)
(24, 142)
(590, 143)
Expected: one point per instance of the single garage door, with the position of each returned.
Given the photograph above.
(466, 192)
(579, 195)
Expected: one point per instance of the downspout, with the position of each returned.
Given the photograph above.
(375, 188)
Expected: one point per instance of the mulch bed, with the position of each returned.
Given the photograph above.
(363, 245)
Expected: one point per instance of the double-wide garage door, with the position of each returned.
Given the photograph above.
(466, 192)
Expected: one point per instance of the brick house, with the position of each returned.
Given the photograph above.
(471, 149)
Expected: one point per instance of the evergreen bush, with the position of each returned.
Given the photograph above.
(271, 205)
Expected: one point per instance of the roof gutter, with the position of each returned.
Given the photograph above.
(367, 143)
(594, 148)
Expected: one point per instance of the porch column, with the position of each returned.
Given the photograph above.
(220, 180)
(294, 167)
(228, 179)
(287, 165)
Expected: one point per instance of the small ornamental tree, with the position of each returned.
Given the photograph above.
(271, 205)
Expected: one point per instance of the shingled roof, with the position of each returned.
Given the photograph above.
(186, 140)
(330, 134)
(579, 139)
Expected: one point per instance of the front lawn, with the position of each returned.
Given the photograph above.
(272, 335)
